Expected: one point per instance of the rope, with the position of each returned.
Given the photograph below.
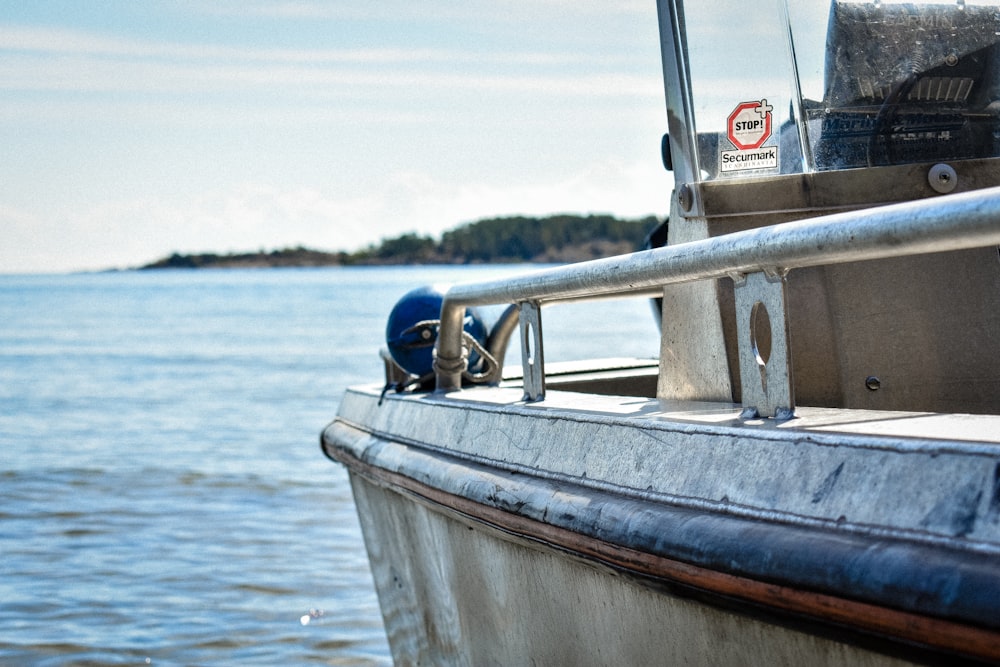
(491, 369)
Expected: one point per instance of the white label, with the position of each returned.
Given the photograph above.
(757, 158)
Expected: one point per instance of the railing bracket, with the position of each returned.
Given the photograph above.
(532, 358)
(765, 356)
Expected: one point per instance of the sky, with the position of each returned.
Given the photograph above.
(132, 130)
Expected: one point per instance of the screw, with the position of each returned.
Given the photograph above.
(872, 383)
(942, 178)
(685, 197)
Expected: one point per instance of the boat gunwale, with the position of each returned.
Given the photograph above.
(765, 431)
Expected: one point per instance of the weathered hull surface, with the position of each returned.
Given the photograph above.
(609, 530)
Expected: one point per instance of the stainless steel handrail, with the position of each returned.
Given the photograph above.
(953, 222)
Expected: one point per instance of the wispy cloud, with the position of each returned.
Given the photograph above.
(511, 10)
(329, 124)
(46, 59)
(86, 74)
(55, 41)
(62, 41)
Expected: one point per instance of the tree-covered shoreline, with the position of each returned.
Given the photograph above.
(556, 238)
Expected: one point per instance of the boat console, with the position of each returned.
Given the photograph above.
(770, 124)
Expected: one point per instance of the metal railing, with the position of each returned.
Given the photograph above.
(953, 222)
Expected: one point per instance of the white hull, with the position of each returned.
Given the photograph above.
(454, 591)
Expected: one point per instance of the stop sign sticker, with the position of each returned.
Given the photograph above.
(749, 125)
(748, 128)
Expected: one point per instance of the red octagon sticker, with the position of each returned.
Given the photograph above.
(749, 125)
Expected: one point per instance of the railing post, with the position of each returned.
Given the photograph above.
(451, 359)
(532, 357)
(765, 356)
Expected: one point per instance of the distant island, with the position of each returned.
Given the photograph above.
(557, 238)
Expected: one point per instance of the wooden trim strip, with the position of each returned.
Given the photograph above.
(919, 630)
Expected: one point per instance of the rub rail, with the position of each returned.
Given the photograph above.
(953, 222)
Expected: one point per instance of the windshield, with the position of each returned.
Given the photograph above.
(787, 86)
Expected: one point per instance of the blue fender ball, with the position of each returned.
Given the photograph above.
(414, 350)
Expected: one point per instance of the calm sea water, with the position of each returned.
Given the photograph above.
(164, 497)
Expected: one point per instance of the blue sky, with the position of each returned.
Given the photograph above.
(131, 130)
